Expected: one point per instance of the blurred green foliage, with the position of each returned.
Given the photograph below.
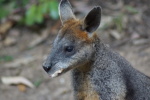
(34, 12)
(131, 9)
(118, 20)
(7, 6)
(37, 83)
(6, 58)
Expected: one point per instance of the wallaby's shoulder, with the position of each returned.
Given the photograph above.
(109, 63)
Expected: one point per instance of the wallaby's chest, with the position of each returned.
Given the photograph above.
(83, 87)
(87, 92)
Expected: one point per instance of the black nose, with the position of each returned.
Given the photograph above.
(46, 68)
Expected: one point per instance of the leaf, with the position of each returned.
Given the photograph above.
(6, 58)
(24, 2)
(37, 83)
(35, 13)
(39, 14)
(118, 22)
(53, 7)
(45, 7)
(30, 15)
(16, 80)
(4, 12)
(1, 1)
(131, 9)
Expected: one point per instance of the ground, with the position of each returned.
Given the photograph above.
(136, 52)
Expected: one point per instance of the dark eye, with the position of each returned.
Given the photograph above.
(69, 48)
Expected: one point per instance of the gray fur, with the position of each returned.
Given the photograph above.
(96, 68)
(113, 77)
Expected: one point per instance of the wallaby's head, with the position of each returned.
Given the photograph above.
(73, 45)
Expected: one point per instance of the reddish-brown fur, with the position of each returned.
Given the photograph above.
(75, 27)
(86, 92)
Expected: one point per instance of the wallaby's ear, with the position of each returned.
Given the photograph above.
(92, 20)
(65, 11)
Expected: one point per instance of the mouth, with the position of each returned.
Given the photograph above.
(56, 73)
(56, 70)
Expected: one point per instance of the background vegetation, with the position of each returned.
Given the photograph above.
(32, 12)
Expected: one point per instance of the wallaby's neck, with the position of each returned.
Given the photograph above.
(80, 79)
(82, 82)
(81, 75)
(98, 48)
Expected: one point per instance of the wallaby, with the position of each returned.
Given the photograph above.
(98, 73)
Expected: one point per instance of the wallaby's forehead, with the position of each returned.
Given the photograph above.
(73, 29)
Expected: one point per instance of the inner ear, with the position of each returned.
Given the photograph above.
(65, 11)
(92, 20)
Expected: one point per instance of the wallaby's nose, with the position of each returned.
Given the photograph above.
(46, 68)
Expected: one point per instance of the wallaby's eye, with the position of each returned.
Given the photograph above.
(69, 48)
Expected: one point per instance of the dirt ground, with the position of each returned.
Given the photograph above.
(58, 88)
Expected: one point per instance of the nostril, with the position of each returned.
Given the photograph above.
(46, 68)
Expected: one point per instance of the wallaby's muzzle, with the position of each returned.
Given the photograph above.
(52, 70)
(53, 67)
